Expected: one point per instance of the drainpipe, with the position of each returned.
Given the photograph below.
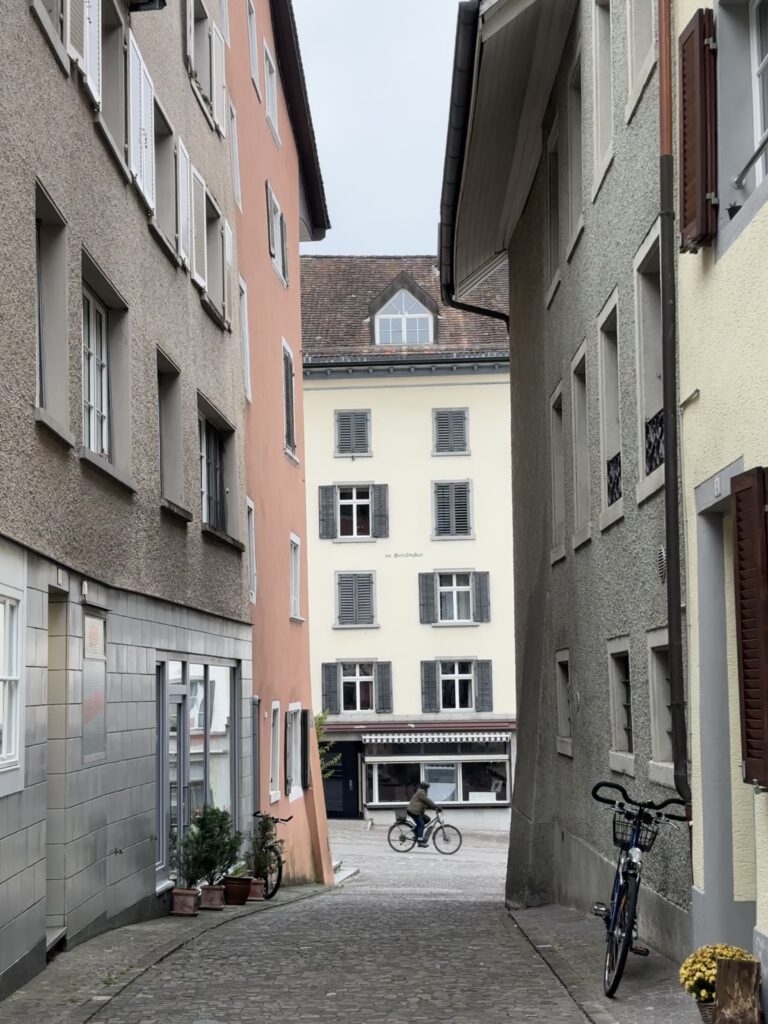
(669, 364)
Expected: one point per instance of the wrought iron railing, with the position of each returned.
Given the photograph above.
(614, 478)
(654, 442)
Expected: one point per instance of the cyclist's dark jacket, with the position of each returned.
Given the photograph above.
(420, 802)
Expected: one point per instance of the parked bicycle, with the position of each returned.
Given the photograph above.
(273, 875)
(635, 828)
(402, 835)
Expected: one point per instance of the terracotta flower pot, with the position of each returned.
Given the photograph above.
(236, 889)
(707, 1011)
(257, 889)
(185, 902)
(211, 897)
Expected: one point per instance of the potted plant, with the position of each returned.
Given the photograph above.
(185, 860)
(219, 848)
(698, 974)
(258, 856)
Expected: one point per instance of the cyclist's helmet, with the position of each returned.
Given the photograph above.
(423, 785)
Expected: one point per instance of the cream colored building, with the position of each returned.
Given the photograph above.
(723, 311)
(410, 539)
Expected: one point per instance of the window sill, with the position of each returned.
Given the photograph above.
(163, 887)
(552, 290)
(112, 146)
(582, 537)
(638, 86)
(166, 505)
(354, 540)
(356, 625)
(273, 129)
(60, 432)
(621, 762)
(453, 536)
(159, 236)
(662, 773)
(649, 485)
(292, 456)
(213, 310)
(279, 273)
(99, 463)
(299, 619)
(203, 105)
(59, 49)
(578, 231)
(449, 455)
(353, 455)
(557, 554)
(600, 173)
(611, 515)
(11, 778)
(463, 624)
(565, 746)
(215, 534)
(274, 797)
(295, 794)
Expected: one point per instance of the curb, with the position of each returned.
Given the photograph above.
(344, 876)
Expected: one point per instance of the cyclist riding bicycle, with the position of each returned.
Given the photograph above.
(417, 806)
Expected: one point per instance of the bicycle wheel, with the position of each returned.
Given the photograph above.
(619, 939)
(274, 872)
(447, 839)
(401, 837)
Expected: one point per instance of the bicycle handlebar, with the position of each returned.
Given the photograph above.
(646, 805)
(281, 821)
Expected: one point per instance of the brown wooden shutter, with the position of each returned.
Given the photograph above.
(750, 565)
(698, 130)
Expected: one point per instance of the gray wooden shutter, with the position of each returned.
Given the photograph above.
(461, 515)
(427, 598)
(364, 599)
(481, 597)
(450, 430)
(381, 510)
(344, 436)
(327, 505)
(360, 440)
(384, 688)
(442, 510)
(330, 678)
(430, 700)
(483, 686)
(452, 511)
(306, 732)
(345, 599)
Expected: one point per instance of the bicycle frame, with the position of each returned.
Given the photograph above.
(629, 862)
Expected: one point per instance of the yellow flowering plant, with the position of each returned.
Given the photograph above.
(698, 972)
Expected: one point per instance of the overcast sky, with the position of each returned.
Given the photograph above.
(379, 79)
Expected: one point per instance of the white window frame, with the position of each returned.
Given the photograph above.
(295, 578)
(582, 529)
(602, 134)
(274, 752)
(355, 502)
(405, 317)
(90, 381)
(250, 540)
(609, 514)
(293, 759)
(253, 45)
(280, 243)
(557, 474)
(454, 589)
(553, 208)
(575, 130)
(270, 92)
(234, 152)
(564, 690)
(640, 65)
(756, 66)
(660, 769)
(620, 758)
(456, 676)
(12, 739)
(245, 343)
(648, 483)
(358, 677)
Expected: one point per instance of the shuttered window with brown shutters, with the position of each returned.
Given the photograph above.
(750, 564)
(698, 132)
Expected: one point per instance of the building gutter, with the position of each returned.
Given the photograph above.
(669, 364)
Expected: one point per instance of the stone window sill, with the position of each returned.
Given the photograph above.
(99, 463)
(578, 231)
(213, 310)
(565, 746)
(166, 505)
(299, 619)
(557, 554)
(60, 432)
(356, 625)
(221, 535)
(662, 773)
(582, 536)
(112, 146)
(552, 290)
(622, 762)
(462, 536)
(159, 236)
(649, 485)
(638, 86)
(601, 172)
(292, 456)
(611, 515)
(203, 105)
(354, 540)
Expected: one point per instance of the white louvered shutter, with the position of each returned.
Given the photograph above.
(76, 31)
(199, 229)
(184, 189)
(135, 65)
(148, 135)
(190, 5)
(93, 49)
(218, 83)
(228, 271)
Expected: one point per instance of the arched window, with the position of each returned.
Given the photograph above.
(403, 321)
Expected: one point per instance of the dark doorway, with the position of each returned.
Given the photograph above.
(342, 789)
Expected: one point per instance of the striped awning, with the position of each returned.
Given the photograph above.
(412, 736)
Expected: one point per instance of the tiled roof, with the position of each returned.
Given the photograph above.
(337, 292)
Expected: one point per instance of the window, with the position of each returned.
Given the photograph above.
(214, 245)
(581, 509)
(404, 321)
(199, 46)
(610, 414)
(94, 705)
(660, 768)
(212, 475)
(357, 686)
(564, 720)
(250, 541)
(293, 751)
(253, 51)
(96, 413)
(289, 409)
(456, 685)
(620, 688)
(355, 599)
(454, 591)
(354, 511)
(221, 732)
(51, 282)
(234, 154)
(452, 509)
(141, 144)
(650, 382)
(603, 89)
(553, 209)
(56, 14)
(557, 460)
(353, 432)
(171, 430)
(575, 155)
(759, 47)
(641, 48)
(10, 683)
(295, 576)
(270, 86)
(218, 81)
(277, 236)
(111, 61)
(464, 781)
(449, 432)
(274, 753)
(166, 205)
(245, 345)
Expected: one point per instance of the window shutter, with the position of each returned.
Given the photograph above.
(427, 598)
(76, 30)
(190, 34)
(184, 197)
(442, 510)
(331, 701)
(483, 686)
(93, 49)
(384, 688)
(450, 430)
(345, 611)
(306, 735)
(360, 441)
(364, 599)
(344, 435)
(750, 564)
(228, 271)
(284, 247)
(148, 132)
(287, 755)
(270, 222)
(481, 597)
(380, 510)
(290, 425)
(462, 525)
(199, 230)
(452, 513)
(135, 64)
(225, 18)
(430, 702)
(327, 506)
(698, 126)
(218, 82)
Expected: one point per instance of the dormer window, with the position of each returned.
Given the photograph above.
(404, 321)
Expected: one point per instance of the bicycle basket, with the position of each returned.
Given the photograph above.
(401, 815)
(623, 829)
